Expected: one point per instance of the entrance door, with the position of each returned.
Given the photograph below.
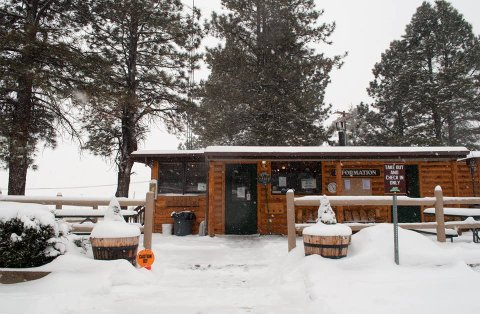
(411, 213)
(241, 199)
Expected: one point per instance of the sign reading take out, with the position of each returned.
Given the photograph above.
(394, 178)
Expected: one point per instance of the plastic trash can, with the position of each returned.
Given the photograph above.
(183, 222)
(167, 229)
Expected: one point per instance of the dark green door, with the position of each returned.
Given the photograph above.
(410, 213)
(241, 199)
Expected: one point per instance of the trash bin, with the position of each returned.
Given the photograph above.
(183, 222)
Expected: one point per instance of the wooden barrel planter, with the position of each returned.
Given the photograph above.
(326, 246)
(115, 248)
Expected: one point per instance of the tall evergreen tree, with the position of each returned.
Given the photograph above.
(39, 66)
(426, 89)
(146, 44)
(267, 83)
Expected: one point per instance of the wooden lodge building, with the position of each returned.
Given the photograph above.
(241, 190)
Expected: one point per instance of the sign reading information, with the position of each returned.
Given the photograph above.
(358, 172)
(394, 177)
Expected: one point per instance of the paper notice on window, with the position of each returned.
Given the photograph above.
(366, 184)
(241, 192)
(347, 186)
(202, 187)
(282, 181)
(309, 184)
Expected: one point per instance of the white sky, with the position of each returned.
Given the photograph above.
(364, 29)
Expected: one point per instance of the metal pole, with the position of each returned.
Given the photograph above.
(395, 228)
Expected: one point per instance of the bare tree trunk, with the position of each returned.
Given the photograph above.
(20, 137)
(129, 130)
(18, 158)
(437, 120)
(451, 129)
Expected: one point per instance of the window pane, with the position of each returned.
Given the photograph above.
(303, 177)
(195, 177)
(170, 179)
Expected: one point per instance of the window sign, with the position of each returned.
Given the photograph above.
(366, 184)
(309, 184)
(202, 186)
(241, 192)
(282, 181)
(347, 185)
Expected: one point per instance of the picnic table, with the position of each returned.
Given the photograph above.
(91, 215)
(463, 213)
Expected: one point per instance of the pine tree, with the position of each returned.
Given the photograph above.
(267, 84)
(426, 88)
(40, 65)
(146, 44)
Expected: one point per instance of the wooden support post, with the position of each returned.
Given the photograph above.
(292, 236)
(148, 224)
(58, 205)
(339, 181)
(153, 187)
(439, 217)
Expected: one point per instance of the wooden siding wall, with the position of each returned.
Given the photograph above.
(166, 204)
(454, 177)
(216, 199)
(377, 184)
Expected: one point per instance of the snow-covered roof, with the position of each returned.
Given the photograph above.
(332, 149)
(474, 154)
(296, 152)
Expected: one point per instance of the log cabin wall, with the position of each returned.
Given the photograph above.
(216, 198)
(454, 177)
(165, 204)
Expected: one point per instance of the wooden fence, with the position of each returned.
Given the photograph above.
(438, 202)
(59, 201)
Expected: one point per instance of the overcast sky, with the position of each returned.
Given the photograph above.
(364, 29)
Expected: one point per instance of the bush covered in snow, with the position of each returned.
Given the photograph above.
(29, 235)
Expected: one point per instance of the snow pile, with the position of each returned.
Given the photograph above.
(327, 222)
(31, 214)
(326, 214)
(320, 229)
(375, 245)
(114, 225)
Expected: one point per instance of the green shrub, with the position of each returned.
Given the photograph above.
(25, 242)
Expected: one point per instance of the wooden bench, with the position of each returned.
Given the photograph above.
(361, 216)
(463, 213)
(449, 233)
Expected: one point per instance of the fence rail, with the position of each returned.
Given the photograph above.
(59, 200)
(438, 202)
(144, 207)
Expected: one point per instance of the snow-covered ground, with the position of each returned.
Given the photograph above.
(236, 274)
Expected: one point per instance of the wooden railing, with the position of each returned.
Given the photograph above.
(438, 202)
(144, 207)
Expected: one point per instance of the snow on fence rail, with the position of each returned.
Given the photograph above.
(59, 201)
(438, 201)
